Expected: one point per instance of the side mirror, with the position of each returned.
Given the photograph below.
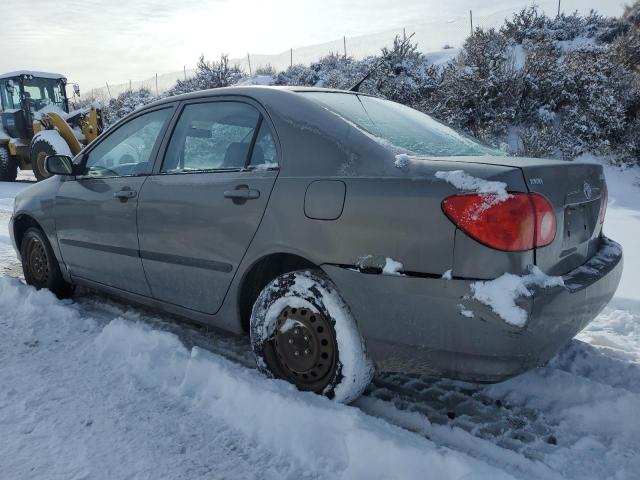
(76, 89)
(59, 165)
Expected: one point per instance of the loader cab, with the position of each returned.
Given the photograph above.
(24, 95)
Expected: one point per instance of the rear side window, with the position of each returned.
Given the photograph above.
(400, 126)
(264, 151)
(212, 136)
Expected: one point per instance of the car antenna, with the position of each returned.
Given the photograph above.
(356, 86)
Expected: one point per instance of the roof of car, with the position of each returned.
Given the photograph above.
(19, 73)
(256, 91)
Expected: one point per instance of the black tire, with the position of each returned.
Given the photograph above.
(8, 166)
(40, 265)
(40, 150)
(303, 332)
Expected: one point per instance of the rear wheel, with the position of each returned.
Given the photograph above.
(303, 332)
(40, 265)
(8, 166)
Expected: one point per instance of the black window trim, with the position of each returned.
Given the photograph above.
(169, 132)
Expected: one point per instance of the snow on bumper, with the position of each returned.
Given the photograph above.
(416, 324)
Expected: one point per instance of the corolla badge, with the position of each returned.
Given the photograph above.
(586, 188)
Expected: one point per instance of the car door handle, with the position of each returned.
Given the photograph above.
(242, 193)
(125, 194)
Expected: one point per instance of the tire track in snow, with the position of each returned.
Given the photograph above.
(508, 436)
(457, 415)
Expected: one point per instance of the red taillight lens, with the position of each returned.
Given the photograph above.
(545, 220)
(521, 222)
(604, 199)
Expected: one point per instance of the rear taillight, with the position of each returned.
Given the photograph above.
(604, 199)
(521, 222)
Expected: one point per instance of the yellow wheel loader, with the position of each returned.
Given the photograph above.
(36, 122)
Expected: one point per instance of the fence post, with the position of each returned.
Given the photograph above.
(185, 72)
(292, 57)
(157, 93)
(558, 7)
(108, 90)
(249, 60)
(344, 43)
(471, 20)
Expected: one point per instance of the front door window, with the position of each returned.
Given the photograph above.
(127, 151)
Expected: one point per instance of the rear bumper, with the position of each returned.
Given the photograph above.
(415, 324)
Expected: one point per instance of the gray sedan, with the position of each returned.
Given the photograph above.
(340, 231)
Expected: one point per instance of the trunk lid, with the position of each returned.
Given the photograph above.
(575, 190)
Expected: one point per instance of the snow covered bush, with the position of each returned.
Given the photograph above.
(297, 75)
(124, 104)
(480, 91)
(543, 86)
(405, 75)
(210, 75)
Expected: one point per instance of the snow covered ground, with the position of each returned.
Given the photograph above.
(93, 388)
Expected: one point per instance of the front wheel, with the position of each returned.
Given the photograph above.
(303, 332)
(40, 265)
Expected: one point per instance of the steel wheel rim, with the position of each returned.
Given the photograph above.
(310, 335)
(40, 159)
(38, 262)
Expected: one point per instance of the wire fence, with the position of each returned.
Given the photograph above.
(430, 37)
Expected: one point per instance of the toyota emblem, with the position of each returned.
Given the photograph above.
(586, 188)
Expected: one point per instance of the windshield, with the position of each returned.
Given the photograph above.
(401, 126)
(44, 94)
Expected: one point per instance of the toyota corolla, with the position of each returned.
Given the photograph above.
(342, 232)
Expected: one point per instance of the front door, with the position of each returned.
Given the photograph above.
(96, 212)
(197, 215)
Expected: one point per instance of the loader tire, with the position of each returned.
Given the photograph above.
(40, 150)
(8, 166)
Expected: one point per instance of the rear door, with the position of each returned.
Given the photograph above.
(200, 210)
(96, 213)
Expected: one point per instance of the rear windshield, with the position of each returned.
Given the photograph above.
(400, 126)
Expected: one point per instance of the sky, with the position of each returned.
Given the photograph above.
(93, 41)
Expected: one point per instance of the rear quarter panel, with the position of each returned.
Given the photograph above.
(398, 217)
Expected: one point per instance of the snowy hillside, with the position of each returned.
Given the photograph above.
(92, 388)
